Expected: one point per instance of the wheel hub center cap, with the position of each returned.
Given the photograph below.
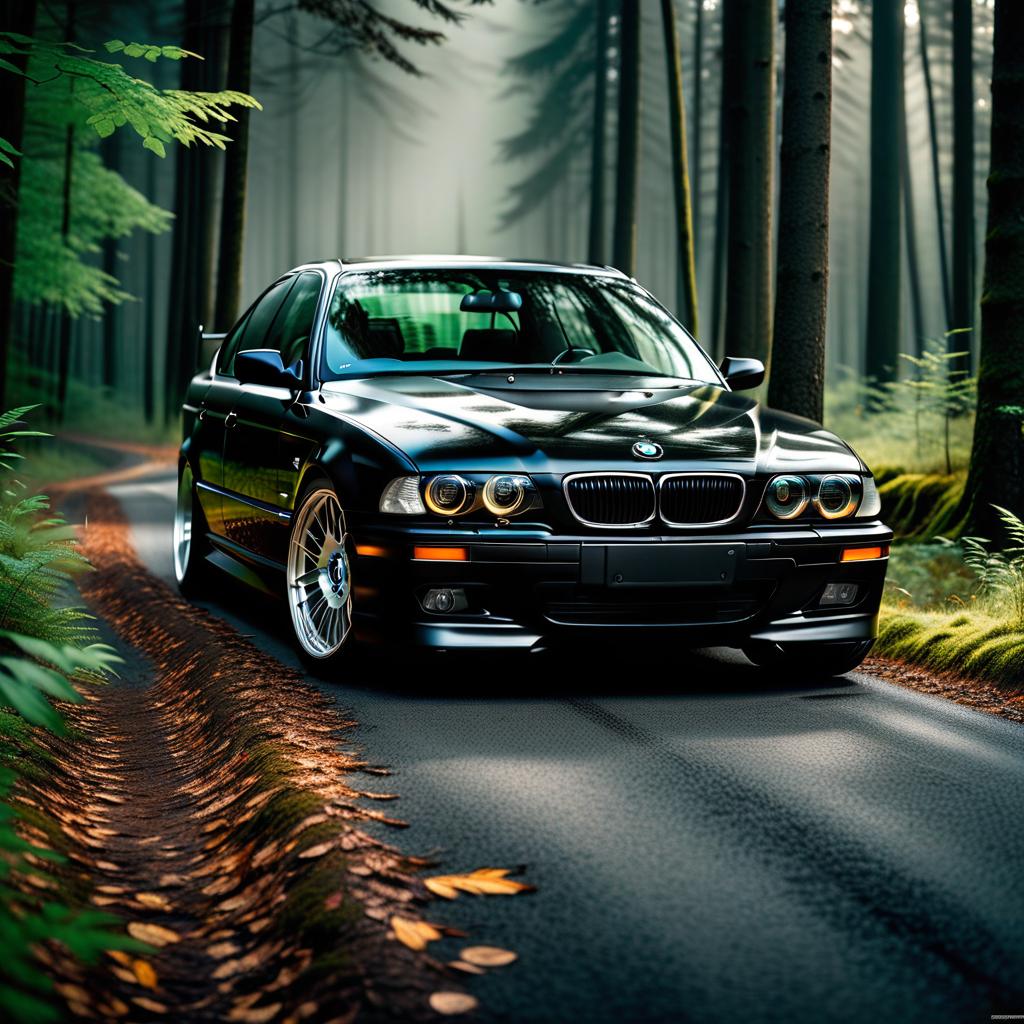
(336, 577)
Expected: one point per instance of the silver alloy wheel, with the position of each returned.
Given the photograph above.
(320, 576)
(183, 523)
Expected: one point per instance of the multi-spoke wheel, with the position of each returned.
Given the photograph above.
(319, 576)
(189, 531)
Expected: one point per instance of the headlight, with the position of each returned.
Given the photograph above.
(448, 495)
(870, 502)
(507, 495)
(837, 496)
(787, 496)
(402, 497)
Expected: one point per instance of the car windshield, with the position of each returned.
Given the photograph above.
(444, 321)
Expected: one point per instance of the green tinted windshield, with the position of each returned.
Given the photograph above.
(584, 322)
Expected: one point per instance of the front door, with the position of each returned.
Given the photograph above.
(255, 505)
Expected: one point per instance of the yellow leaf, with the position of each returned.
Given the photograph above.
(483, 882)
(149, 1004)
(414, 934)
(154, 934)
(145, 973)
(450, 1003)
(488, 956)
(440, 888)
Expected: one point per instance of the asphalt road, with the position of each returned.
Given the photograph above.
(709, 844)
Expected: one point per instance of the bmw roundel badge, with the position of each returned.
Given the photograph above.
(647, 450)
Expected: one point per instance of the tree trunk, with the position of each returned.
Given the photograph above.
(64, 364)
(110, 150)
(910, 237)
(232, 213)
(19, 16)
(727, 89)
(595, 229)
(996, 474)
(797, 382)
(751, 58)
(697, 121)
(963, 184)
(933, 132)
(149, 346)
(628, 131)
(686, 299)
(192, 242)
(882, 345)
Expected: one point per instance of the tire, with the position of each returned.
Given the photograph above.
(809, 659)
(318, 579)
(189, 545)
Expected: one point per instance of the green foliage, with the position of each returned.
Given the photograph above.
(921, 424)
(112, 98)
(959, 607)
(1000, 573)
(75, 97)
(43, 648)
(55, 269)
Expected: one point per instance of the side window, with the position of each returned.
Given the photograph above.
(252, 331)
(294, 323)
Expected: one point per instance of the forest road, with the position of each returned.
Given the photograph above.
(708, 844)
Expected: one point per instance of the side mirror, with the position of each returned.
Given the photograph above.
(742, 374)
(265, 366)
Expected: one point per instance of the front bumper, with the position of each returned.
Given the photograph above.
(529, 590)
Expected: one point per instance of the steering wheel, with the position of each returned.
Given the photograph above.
(568, 352)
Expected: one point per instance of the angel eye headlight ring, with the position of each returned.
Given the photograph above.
(507, 494)
(448, 495)
(787, 496)
(837, 496)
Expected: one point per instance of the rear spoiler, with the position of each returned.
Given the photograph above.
(208, 345)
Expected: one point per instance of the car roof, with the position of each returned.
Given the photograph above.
(428, 262)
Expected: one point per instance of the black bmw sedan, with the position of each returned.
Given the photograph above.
(472, 453)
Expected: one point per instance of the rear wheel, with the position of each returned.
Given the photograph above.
(189, 535)
(809, 659)
(319, 577)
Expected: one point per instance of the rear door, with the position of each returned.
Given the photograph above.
(255, 505)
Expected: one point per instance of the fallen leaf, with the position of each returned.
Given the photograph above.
(145, 973)
(468, 968)
(450, 1003)
(483, 882)
(149, 1004)
(256, 1015)
(414, 934)
(439, 888)
(154, 934)
(219, 950)
(319, 850)
(488, 956)
(153, 899)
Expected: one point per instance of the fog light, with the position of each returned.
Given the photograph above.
(444, 599)
(839, 594)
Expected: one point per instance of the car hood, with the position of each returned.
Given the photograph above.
(566, 423)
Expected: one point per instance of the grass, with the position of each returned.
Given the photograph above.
(933, 616)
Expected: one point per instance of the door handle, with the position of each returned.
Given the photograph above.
(231, 419)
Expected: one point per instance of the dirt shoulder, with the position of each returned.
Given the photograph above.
(971, 692)
(217, 804)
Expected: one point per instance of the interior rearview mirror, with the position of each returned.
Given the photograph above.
(491, 302)
(265, 366)
(742, 374)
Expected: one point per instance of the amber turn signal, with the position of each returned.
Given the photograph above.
(864, 554)
(441, 554)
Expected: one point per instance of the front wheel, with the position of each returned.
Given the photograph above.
(809, 659)
(189, 538)
(319, 577)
